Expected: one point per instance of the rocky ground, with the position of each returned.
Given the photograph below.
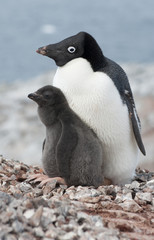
(29, 211)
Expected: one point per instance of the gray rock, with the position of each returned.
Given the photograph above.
(50, 214)
(25, 187)
(134, 185)
(150, 184)
(36, 217)
(97, 221)
(38, 232)
(26, 236)
(69, 227)
(82, 192)
(51, 234)
(69, 236)
(145, 196)
(10, 213)
(119, 198)
(38, 192)
(127, 196)
(4, 230)
(17, 226)
(130, 206)
(10, 237)
(15, 203)
(5, 199)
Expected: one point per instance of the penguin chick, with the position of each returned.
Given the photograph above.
(98, 90)
(71, 149)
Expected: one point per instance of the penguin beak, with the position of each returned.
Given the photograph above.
(34, 96)
(42, 50)
(49, 51)
(53, 51)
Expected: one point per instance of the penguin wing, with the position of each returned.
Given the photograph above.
(128, 99)
(119, 77)
(65, 148)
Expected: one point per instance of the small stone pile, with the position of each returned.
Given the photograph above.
(29, 211)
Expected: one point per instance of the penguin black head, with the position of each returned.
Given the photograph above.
(80, 45)
(48, 96)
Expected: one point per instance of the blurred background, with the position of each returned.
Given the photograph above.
(123, 28)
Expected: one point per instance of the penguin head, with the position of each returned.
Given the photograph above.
(48, 96)
(80, 45)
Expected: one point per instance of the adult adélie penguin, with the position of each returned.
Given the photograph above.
(98, 90)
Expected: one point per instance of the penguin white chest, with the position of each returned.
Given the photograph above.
(95, 98)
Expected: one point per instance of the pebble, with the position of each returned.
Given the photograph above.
(5, 198)
(130, 206)
(69, 236)
(4, 230)
(36, 217)
(150, 184)
(85, 213)
(119, 198)
(17, 226)
(134, 185)
(38, 232)
(29, 213)
(144, 196)
(26, 236)
(25, 187)
(51, 234)
(10, 237)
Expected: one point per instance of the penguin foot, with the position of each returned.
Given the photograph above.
(43, 179)
(55, 180)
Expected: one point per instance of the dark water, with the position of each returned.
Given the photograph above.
(123, 28)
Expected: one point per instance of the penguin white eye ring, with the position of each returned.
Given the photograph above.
(71, 49)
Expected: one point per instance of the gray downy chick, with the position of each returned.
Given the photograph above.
(71, 149)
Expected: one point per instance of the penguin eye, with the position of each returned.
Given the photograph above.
(47, 95)
(71, 49)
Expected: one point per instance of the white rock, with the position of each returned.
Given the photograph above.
(69, 236)
(127, 196)
(144, 196)
(29, 213)
(119, 198)
(130, 206)
(150, 184)
(134, 184)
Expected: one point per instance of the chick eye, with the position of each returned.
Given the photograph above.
(71, 49)
(47, 96)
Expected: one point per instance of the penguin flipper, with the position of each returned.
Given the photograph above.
(65, 149)
(134, 119)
